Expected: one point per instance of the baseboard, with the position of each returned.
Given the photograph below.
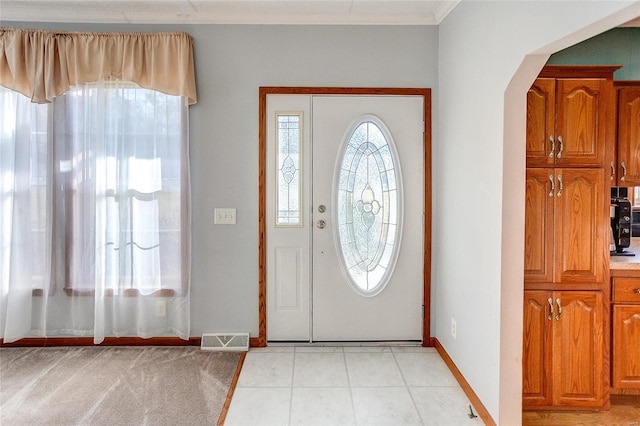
(466, 388)
(108, 341)
(257, 342)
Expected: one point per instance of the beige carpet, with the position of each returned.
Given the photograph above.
(114, 385)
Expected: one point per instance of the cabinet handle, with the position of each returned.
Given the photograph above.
(560, 150)
(624, 171)
(550, 300)
(560, 182)
(553, 186)
(637, 290)
(613, 172)
(559, 309)
(553, 146)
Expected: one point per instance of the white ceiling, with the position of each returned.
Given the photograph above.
(383, 12)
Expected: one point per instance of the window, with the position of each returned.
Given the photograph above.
(369, 207)
(94, 202)
(23, 181)
(108, 167)
(288, 165)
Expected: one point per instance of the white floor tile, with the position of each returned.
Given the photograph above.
(358, 385)
(367, 349)
(326, 349)
(384, 406)
(267, 369)
(419, 349)
(373, 369)
(273, 349)
(322, 406)
(425, 369)
(316, 369)
(446, 406)
(259, 406)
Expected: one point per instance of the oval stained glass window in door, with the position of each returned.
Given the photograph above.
(369, 209)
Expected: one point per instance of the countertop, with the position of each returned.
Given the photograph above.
(628, 262)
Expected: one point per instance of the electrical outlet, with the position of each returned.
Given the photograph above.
(454, 329)
(161, 308)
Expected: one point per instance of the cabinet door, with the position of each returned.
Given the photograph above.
(541, 101)
(538, 225)
(626, 346)
(629, 136)
(581, 226)
(581, 121)
(536, 349)
(578, 349)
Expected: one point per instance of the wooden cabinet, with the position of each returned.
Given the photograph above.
(570, 129)
(626, 334)
(567, 122)
(564, 349)
(565, 228)
(628, 146)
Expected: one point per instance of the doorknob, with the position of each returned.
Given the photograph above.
(321, 224)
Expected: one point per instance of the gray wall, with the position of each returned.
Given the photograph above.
(232, 62)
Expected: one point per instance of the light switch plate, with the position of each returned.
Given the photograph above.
(224, 216)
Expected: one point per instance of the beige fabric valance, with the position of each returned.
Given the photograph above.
(43, 64)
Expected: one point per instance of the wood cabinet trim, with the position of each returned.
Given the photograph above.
(621, 84)
(633, 273)
(582, 71)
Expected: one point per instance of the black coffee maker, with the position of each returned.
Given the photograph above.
(620, 221)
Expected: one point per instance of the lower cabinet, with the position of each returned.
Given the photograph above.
(563, 349)
(626, 334)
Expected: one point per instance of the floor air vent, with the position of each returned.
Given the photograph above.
(225, 342)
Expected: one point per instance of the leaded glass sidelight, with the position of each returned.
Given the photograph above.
(288, 183)
(368, 189)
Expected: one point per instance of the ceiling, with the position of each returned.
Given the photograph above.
(383, 12)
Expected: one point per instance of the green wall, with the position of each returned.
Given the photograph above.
(620, 46)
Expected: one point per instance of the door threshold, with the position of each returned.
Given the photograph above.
(385, 343)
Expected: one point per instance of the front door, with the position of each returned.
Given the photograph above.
(344, 218)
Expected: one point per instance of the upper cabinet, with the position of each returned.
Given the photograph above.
(628, 147)
(570, 116)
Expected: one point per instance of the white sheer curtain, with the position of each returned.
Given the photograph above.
(25, 220)
(118, 171)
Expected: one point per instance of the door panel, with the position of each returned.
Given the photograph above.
(339, 312)
(629, 136)
(538, 225)
(580, 214)
(288, 238)
(581, 108)
(626, 335)
(541, 108)
(536, 349)
(579, 349)
(309, 297)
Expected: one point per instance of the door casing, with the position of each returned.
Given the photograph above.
(261, 339)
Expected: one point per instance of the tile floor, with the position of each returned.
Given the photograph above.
(310, 385)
